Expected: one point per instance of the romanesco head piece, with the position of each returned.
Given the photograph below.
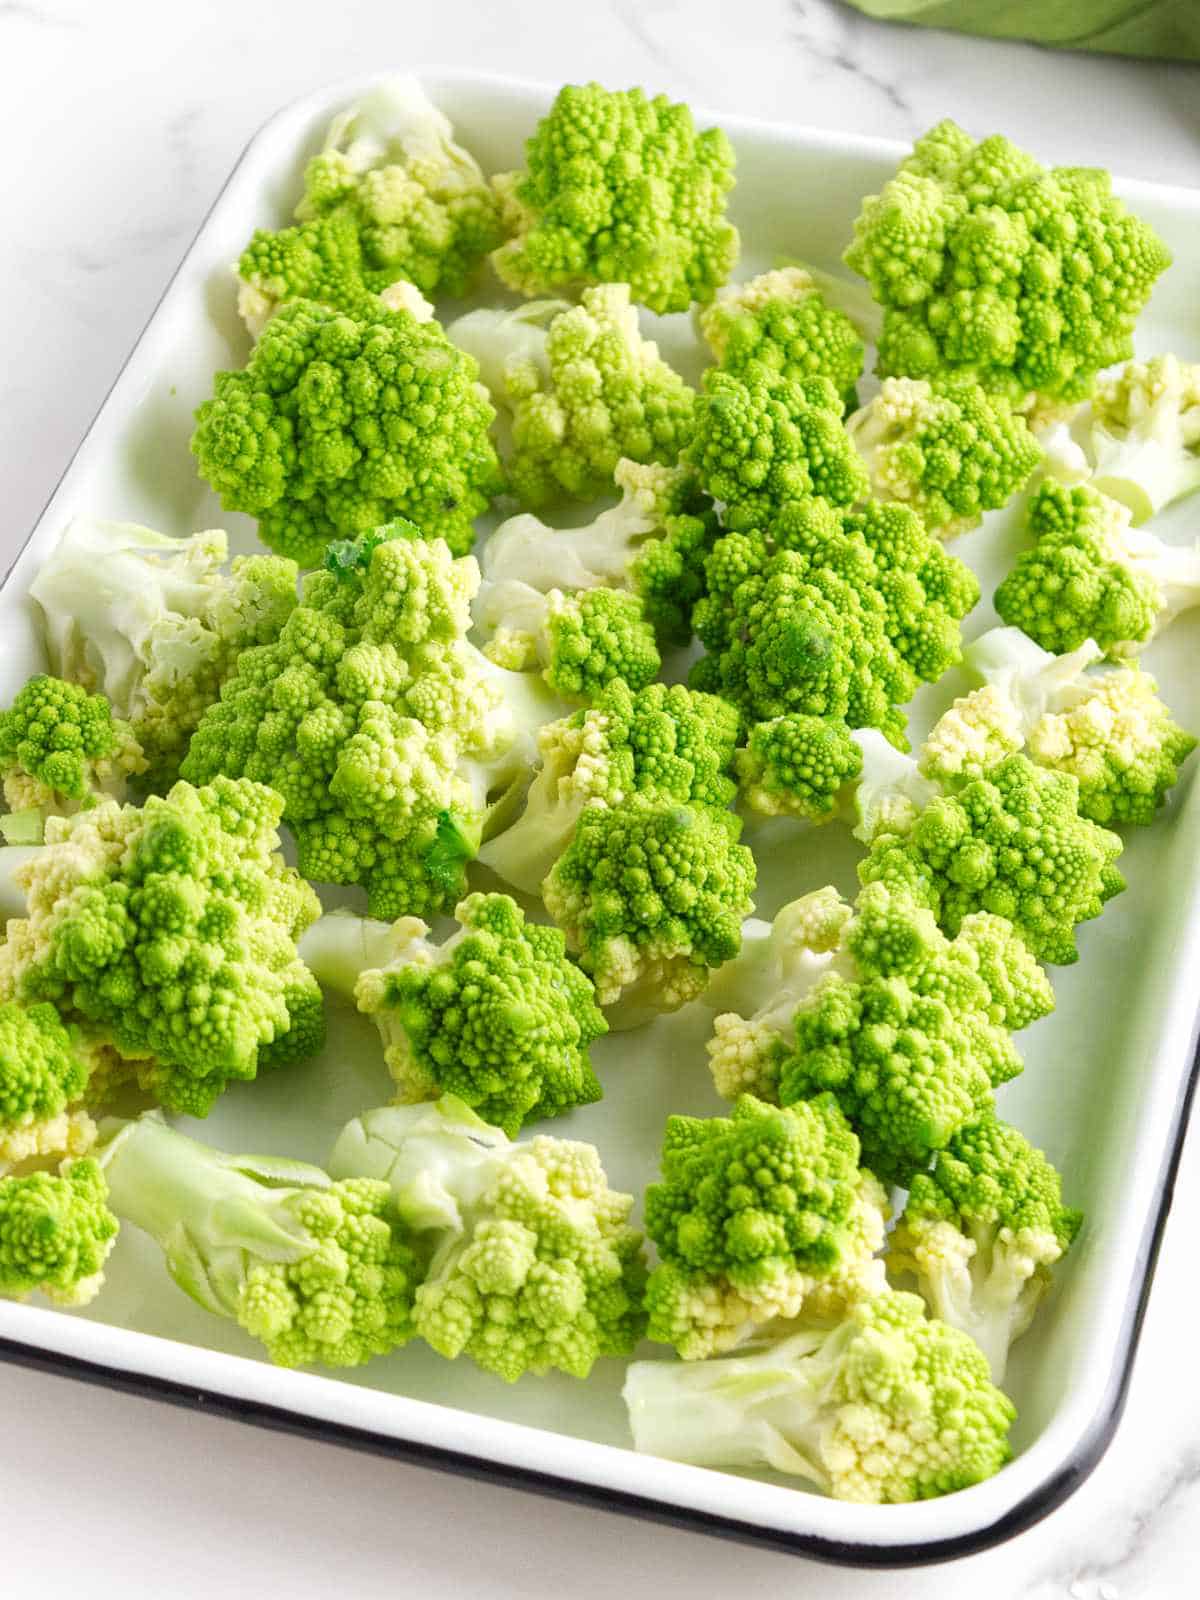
(779, 325)
(1027, 279)
(340, 422)
(620, 188)
(56, 1231)
(172, 929)
(42, 1079)
(752, 1210)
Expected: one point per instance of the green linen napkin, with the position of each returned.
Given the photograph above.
(1168, 28)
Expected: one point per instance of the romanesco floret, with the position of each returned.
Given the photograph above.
(320, 1272)
(495, 1015)
(1109, 730)
(1144, 441)
(980, 1234)
(798, 766)
(652, 543)
(1028, 280)
(909, 1030)
(534, 1265)
(391, 739)
(946, 448)
(42, 1079)
(61, 749)
(651, 896)
(581, 389)
(759, 445)
(391, 196)
(753, 1211)
(339, 423)
(1011, 842)
(779, 325)
(156, 624)
(579, 642)
(886, 1407)
(171, 929)
(56, 1232)
(667, 739)
(620, 188)
(836, 615)
(1091, 575)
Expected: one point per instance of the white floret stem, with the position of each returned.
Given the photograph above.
(1145, 474)
(890, 790)
(769, 976)
(438, 1158)
(1174, 568)
(754, 1410)
(1033, 680)
(498, 339)
(593, 556)
(338, 947)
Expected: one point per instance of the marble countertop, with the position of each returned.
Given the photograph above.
(119, 123)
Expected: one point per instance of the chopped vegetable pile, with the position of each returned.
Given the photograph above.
(703, 605)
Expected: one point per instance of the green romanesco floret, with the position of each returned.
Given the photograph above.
(886, 1407)
(909, 1030)
(578, 642)
(1091, 575)
(651, 895)
(1028, 280)
(753, 1211)
(653, 543)
(759, 445)
(495, 1015)
(831, 614)
(320, 1272)
(61, 749)
(1143, 445)
(394, 742)
(43, 1075)
(339, 423)
(1011, 842)
(156, 624)
(533, 1264)
(1108, 729)
(581, 389)
(666, 739)
(391, 196)
(798, 766)
(620, 188)
(945, 447)
(779, 325)
(980, 1234)
(171, 930)
(56, 1232)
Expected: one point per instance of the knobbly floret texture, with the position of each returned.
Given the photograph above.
(56, 1232)
(885, 1408)
(1012, 843)
(171, 930)
(651, 896)
(580, 388)
(752, 1212)
(620, 188)
(946, 448)
(340, 422)
(320, 1272)
(779, 326)
(43, 1076)
(981, 1233)
(495, 1015)
(533, 1264)
(985, 262)
(1091, 575)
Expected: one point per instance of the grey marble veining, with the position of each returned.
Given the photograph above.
(119, 122)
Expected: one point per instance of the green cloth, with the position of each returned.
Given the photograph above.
(1168, 28)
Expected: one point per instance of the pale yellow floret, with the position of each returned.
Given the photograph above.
(978, 731)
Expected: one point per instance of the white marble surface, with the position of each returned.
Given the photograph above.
(118, 123)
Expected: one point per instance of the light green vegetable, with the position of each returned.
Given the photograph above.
(43, 1075)
(779, 325)
(56, 1232)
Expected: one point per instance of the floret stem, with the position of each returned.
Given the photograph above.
(340, 946)
(12, 892)
(1144, 474)
(208, 1211)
